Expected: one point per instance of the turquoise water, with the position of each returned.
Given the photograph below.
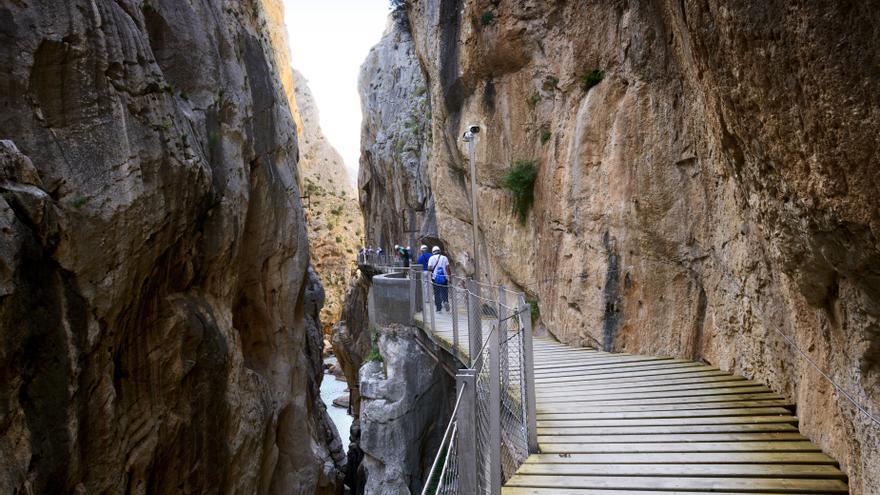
(332, 388)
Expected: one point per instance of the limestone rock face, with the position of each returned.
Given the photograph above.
(335, 223)
(715, 191)
(404, 410)
(395, 140)
(160, 325)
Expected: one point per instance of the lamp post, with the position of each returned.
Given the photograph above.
(470, 137)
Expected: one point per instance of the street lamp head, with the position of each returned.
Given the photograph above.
(469, 133)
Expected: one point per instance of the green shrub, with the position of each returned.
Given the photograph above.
(536, 312)
(520, 180)
(591, 79)
(338, 239)
(551, 83)
(80, 202)
(374, 354)
(545, 135)
(533, 100)
(487, 18)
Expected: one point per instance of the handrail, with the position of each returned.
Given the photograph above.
(446, 438)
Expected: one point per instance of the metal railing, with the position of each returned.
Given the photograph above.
(492, 429)
(376, 260)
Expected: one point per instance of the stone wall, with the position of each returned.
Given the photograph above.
(713, 192)
(160, 329)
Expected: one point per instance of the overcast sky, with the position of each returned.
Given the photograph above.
(329, 39)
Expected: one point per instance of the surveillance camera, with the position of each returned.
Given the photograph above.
(473, 129)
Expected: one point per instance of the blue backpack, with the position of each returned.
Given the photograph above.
(440, 276)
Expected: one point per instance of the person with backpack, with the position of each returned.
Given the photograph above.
(438, 264)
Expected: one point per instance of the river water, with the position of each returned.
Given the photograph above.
(332, 388)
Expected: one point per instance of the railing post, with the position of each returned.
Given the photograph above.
(453, 306)
(502, 337)
(412, 294)
(466, 441)
(528, 375)
(431, 290)
(494, 446)
(426, 318)
(475, 322)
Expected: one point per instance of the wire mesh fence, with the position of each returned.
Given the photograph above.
(488, 328)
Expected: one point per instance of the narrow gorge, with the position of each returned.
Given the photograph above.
(183, 246)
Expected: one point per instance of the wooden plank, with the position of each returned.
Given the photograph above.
(548, 399)
(685, 458)
(820, 471)
(589, 408)
(622, 365)
(561, 414)
(647, 370)
(775, 485)
(531, 490)
(651, 388)
(705, 377)
(546, 406)
(725, 420)
(548, 436)
(683, 428)
(619, 448)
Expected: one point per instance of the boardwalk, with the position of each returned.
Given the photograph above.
(620, 423)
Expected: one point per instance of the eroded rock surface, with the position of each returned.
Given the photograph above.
(404, 410)
(335, 224)
(395, 140)
(714, 191)
(160, 326)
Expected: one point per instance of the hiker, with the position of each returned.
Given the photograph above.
(424, 257)
(440, 275)
(407, 255)
(402, 255)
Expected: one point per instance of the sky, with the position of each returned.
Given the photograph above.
(329, 39)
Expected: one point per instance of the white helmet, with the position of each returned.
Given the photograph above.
(424, 247)
(407, 248)
(435, 249)
(396, 246)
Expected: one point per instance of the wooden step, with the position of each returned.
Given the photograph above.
(680, 428)
(708, 484)
(819, 471)
(546, 435)
(684, 447)
(685, 458)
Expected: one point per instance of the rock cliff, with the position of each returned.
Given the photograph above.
(404, 412)
(395, 140)
(159, 319)
(705, 181)
(335, 224)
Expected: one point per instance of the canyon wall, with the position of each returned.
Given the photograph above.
(706, 181)
(335, 224)
(160, 322)
(405, 408)
(393, 184)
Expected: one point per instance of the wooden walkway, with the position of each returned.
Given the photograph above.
(614, 424)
